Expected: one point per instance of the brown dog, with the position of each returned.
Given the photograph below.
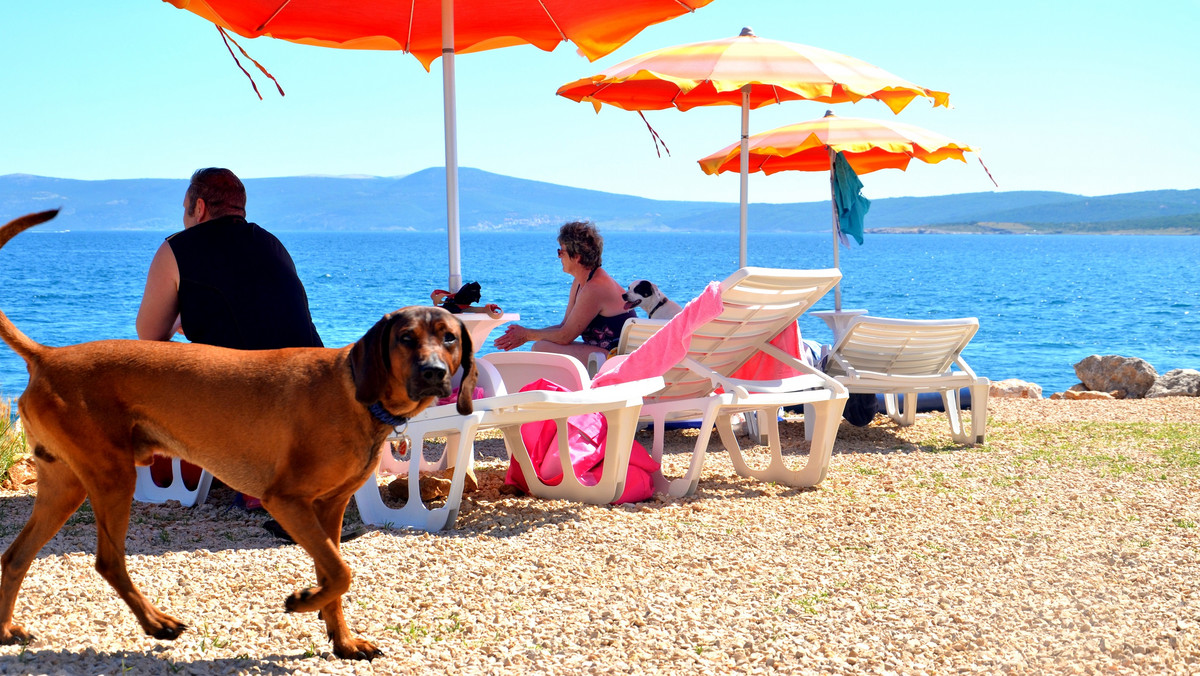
(301, 428)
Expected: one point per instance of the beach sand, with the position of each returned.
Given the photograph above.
(1068, 543)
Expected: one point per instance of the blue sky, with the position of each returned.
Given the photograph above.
(1091, 98)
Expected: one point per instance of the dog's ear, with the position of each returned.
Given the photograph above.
(369, 361)
(470, 376)
(644, 288)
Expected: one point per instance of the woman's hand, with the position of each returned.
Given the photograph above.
(514, 336)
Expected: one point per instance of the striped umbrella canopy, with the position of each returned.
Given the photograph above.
(868, 145)
(746, 71)
(428, 29)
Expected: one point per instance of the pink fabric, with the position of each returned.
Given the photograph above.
(667, 347)
(476, 393)
(763, 366)
(587, 435)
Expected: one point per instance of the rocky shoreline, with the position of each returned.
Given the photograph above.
(1111, 377)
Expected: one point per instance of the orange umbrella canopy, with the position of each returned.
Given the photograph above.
(868, 145)
(414, 26)
(714, 72)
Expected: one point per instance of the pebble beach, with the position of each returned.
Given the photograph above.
(1068, 543)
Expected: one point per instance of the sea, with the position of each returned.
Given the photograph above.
(1044, 302)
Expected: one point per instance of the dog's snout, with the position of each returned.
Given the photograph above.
(433, 373)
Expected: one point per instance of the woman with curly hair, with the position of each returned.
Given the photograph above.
(595, 308)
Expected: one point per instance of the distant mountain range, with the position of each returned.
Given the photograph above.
(489, 201)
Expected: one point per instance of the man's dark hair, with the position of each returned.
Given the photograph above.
(221, 190)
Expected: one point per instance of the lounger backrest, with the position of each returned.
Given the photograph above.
(759, 303)
(901, 347)
(636, 331)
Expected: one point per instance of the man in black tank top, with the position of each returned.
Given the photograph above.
(228, 282)
(223, 281)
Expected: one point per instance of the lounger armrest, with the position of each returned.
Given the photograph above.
(847, 369)
(741, 389)
(958, 361)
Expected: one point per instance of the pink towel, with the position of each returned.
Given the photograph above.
(587, 437)
(667, 347)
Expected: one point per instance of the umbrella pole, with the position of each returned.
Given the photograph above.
(837, 288)
(451, 125)
(745, 175)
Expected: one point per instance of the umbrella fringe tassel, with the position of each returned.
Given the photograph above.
(654, 135)
(227, 39)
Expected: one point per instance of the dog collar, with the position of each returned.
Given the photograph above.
(381, 414)
(660, 304)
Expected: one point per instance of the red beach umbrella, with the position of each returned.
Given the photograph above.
(428, 29)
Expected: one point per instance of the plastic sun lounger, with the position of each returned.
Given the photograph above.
(507, 412)
(756, 305)
(145, 490)
(905, 357)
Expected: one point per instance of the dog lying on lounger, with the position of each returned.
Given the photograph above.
(301, 427)
(644, 294)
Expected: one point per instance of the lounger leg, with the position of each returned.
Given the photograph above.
(823, 418)
(732, 447)
(950, 400)
(660, 422)
(810, 419)
(686, 485)
(618, 445)
(827, 419)
(906, 416)
(979, 406)
(414, 513)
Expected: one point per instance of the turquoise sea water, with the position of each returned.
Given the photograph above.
(1043, 301)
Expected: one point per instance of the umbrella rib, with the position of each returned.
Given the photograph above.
(412, 9)
(552, 21)
(273, 15)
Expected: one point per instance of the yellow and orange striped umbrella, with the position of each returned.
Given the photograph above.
(719, 71)
(868, 145)
(428, 29)
(748, 71)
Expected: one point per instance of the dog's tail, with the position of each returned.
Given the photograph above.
(19, 342)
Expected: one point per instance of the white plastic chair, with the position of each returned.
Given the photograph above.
(145, 490)
(507, 412)
(904, 357)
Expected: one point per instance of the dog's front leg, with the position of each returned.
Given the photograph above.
(345, 644)
(301, 521)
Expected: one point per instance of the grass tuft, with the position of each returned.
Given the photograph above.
(12, 439)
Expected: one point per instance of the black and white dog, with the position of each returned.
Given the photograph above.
(644, 294)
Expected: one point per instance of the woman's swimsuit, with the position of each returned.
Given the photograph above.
(605, 332)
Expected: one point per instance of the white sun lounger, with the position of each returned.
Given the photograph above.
(507, 412)
(757, 304)
(903, 357)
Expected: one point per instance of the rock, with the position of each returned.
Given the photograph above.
(1176, 383)
(22, 473)
(1014, 389)
(433, 486)
(1087, 394)
(1128, 377)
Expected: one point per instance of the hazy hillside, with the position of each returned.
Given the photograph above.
(494, 202)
